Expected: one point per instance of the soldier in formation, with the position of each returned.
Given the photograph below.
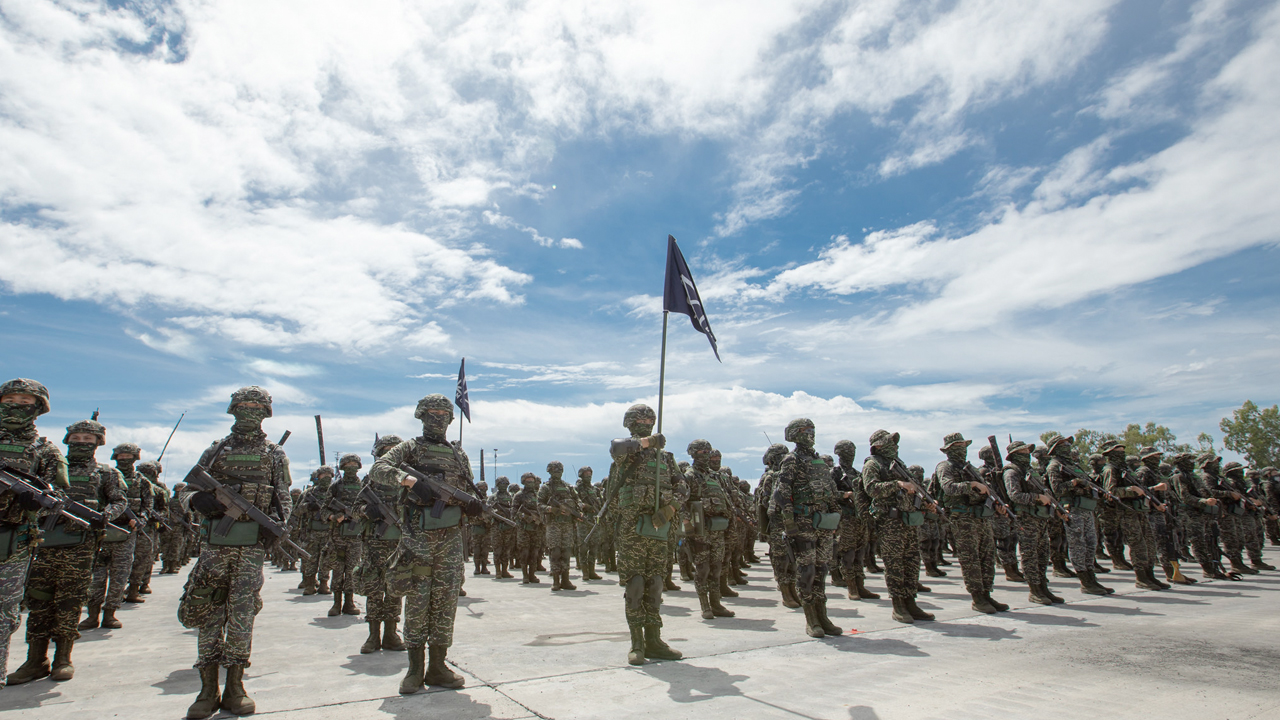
(113, 562)
(899, 509)
(528, 517)
(314, 529)
(559, 509)
(588, 535)
(343, 548)
(481, 535)
(381, 533)
(504, 538)
(970, 506)
(708, 518)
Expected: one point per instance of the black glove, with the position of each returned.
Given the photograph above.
(27, 500)
(372, 512)
(206, 503)
(473, 507)
(659, 441)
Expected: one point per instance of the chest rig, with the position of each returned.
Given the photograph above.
(639, 473)
(133, 489)
(813, 484)
(19, 457)
(247, 468)
(706, 488)
(441, 461)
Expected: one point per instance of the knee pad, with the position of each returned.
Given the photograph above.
(850, 557)
(702, 572)
(653, 589)
(806, 575)
(634, 593)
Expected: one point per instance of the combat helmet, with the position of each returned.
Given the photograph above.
(150, 468)
(775, 453)
(1232, 467)
(555, 467)
(350, 458)
(638, 414)
(1149, 452)
(434, 401)
(795, 427)
(130, 448)
(880, 438)
(698, 447)
(584, 471)
(383, 443)
(86, 426)
(24, 386)
(846, 447)
(250, 393)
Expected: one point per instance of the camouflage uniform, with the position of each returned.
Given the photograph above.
(1241, 517)
(1034, 519)
(159, 511)
(970, 513)
(643, 478)
(141, 496)
(1122, 483)
(559, 506)
(709, 513)
(344, 536)
(313, 531)
(780, 555)
(21, 448)
(1252, 520)
(730, 565)
(896, 523)
(852, 536)
(528, 517)
(590, 500)
(931, 533)
(1149, 477)
(1198, 510)
(1270, 488)
(1067, 482)
(427, 567)
(113, 563)
(504, 536)
(1004, 528)
(1215, 486)
(221, 596)
(378, 542)
(480, 529)
(173, 542)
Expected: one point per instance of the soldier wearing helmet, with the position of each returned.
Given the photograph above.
(222, 594)
(1198, 508)
(380, 536)
(709, 515)
(126, 562)
(560, 507)
(804, 500)
(969, 504)
(784, 570)
(429, 566)
(645, 485)
(893, 505)
(480, 537)
(590, 500)
(1134, 503)
(853, 534)
(1248, 522)
(1269, 482)
(528, 516)
(1150, 477)
(504, 537)
(1070, 483)
(313, 531)
(343, 548)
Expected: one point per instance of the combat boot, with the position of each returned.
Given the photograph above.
(145, 589)
(738, 575)
(374, 642)
(533, 574)
(109, 619)
(1060, 569)
(91, 621)
(438, 673)
(36, 666)
(1118, 562)
(999, 606)
(564, 581)
(349, 606)
(789, 599)
(323, 589)
(980, 604)
(336, 610)
(1012, 574)
(1098, 569)
(861, 591)
(812, 627)
(704, 601)
(716, 608)
(555, 582)
(1173, 571)
(872, 567)
(308, 585)
(635, 656)
(234, 699)
(1151, 576)
(820, 612)
(914, 609)
(412, 681)
(923, 588)
(503, 573)
(900, 611)
(591, 571)
(1238, 566)
(1099, 586)
(1088, 585)
(1255, 559)
(1142, 582)
(208, 700)
(668, 584)
(484, 566)
(1057, 600)
(654, 648)
(1039, 594)
(390, 638)
(131, 594)
(931, 568)
(726, 591)
(62, 669)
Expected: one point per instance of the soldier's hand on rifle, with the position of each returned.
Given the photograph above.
(206, 503)
(1142, 492)
(408, 481)
(1044, 499)
(473, 507)
(1211, 501)
(848, 495)
(979, 487)
(1161, 487)
(910, 487)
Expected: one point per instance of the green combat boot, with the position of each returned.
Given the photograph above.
(438, 673)
(981, 605)
(390, 638)
(820, 612)
(36, 666)
(635, 656)
(900, 611)
(654, 648)
(812, 627)
(62, 669)
(206, 702)
(234, 699)
(373, 643)
(412, 681)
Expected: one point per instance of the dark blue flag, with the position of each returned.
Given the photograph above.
(681, 295)
(460, 398)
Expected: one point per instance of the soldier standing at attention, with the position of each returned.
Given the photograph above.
(315, 531)
(174, 540)
(1239, 516)
(222, 597)
(481, 534)
(852, 536)
(381, 610)
(427, 568)
(150, 469)
(22, 448)
(641, 478)
(559, 505)
(141, 497)
(1270, 482)
(1035, 512)
(1068, 482)
(114, 560)
(528, 516)
(804, 499)
(1199, 509)
(504, 538)
(1003, 526)
(1131, 497)
(344, 535)
(588, 550)
(780, 556)
(893, 505)
(705, 532)
(968, 504)
(1159, 491)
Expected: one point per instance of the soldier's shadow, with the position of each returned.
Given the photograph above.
(179, 682)
(735, 623)
(877, 646)
(436, 703)
(963, 630)
(337, 622)
(752, 602)
(383, 663)
(690, 683)
(32, 695)
(1034, 618)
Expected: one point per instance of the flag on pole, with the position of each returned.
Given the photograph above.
(681, 294)
(460, 398)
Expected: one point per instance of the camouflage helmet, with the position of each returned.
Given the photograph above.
(126, 448)
(1182, 458)
(916, 471)
(1251, 474)
(382, 442)
(883, 437)
(434, 401)
(294, 493)
(350, 458)
(830, 461)
(555, 467)
(23, 386)
(744, 486)
(483, 487)
(795, 427)
(984, 454)
(585, 471)
(1232, 467)
(86, 426)
(775, 452)
(150, 468)
(322, 470)
(1149, 452)
(250, 393)
(1110, 446)
(846, 447)
(1055, 441)
(953, 439)
(179, 486)
(683, 465)
(528, 478)
(502, 482)
(698, 447)
(637, 414)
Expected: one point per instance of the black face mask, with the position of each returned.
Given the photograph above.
(81, 452)
(248, 420)
(126, 466)
(16, 417)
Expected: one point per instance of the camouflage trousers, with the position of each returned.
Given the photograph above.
(1140, 539)
(371, 580)
(172, 546)
(1082, 540)
(504, 544)
(642, 564)
(1230, 535)
(850, 544)
(900, 551)
(429, 611)
(1273, 528)
(813, 549)
(1198, 528)
(976, 550)
(1162, 537)
(342, 557)
(57, 586)
(1005, 531)
(13, 578)
(1251, 526)
(481, 542)
(588, 551)
(1111, 529)
(112, 564)
(225, 633)
(560, 537)
(144, 558)
(316, 543)
(1058, 547)
(528, 538)
(708, 558)
(784, 571)
(732, 547)
(1033, 541)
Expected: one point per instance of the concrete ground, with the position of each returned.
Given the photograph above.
(1204, 652)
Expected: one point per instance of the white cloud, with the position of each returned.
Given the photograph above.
(275, 368)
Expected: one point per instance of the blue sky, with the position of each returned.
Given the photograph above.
(988, 217)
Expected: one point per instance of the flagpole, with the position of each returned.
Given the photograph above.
(662, 380)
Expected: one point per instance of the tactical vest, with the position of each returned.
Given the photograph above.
(133, 487)
(638, 472)
(813, 491)
(248, 469)
(19, 456)
(707, 488)
(440, 460)
(559, 495)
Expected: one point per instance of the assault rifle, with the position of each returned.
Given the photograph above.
(1031, 477)
(922, 496)
(387, 516)
(993, 500)
(21, 483)
(142, 521)
(555, 503)
(336, 507)
(237, 507)
(442, 491)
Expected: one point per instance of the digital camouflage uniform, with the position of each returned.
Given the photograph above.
(1034, 518)
(480, 528)
(855, 517)
(528, 517)
(1216, 486)
(971, 511)
(1149, 477)
(1253, 519)
(427, 566)
(504, 536)
(141, 497)
(378, 542)
(173, 542)
(1270, 487)
(896, 521)
(709, 514)
(345, 530)
(559, 506)
(1198, 511)
(1121, 482)
(932, 532)
(313, 531)
(114, 561)
(22, 448)
(780, 556)
(731, 564)
(1240, 516)
(804, 499)
(150, 469)
(590, 501)
(1070, 484)
(643, 480)
(222, 594)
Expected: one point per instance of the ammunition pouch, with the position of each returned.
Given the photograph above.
(449, 517)
(199, 604)
(407, 577)
(114, 535)
(826, 521)
(349, 529)
(717, 524)
(977, 511)
(12, 538)
(1236, 508)
(318, 525)
(60, 536)
(1082, 502)
(1040, 511)
(645, 528)
(242, 533)
(910, 518)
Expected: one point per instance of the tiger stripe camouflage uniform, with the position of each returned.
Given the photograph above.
(343, 549)
(1198, 510)
(380, 538)
(159, 511)
(528, 517)
(1067, 481)
(559, 506)
(314, 531)
(1253, 518)
(113, 563)
(1120, 481)
(1228, 531)
(931, 532)
(173, 542)
(896, 523)
(141, 496)
(1034, 517)
(970, 512)
(1149, 477)
(588, 549)
(1003, 527)
(504, 536)
(780, 556)
(480, 535)
(1239, 517)
(22, 448)
(709, 515)
(853, 534)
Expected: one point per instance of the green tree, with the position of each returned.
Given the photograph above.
(1157, 436)
(1088, 441)
(1205, 441)
(1254, 433)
